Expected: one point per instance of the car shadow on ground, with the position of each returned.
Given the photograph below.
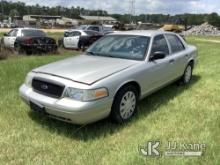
(106, 127)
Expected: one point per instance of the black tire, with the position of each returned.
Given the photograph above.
(18, 49)
(187, 76)
(64, 46)
(29, 52)
(2, 43)
(81, 46)
(117, 110)
(60, 43)
(54, 49)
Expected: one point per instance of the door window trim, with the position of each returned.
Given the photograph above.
(152, 40)
(171, 52)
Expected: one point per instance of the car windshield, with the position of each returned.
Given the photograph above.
(107, 29)
(92, 33)
(33, 33)
(121, 46)
(82, 27)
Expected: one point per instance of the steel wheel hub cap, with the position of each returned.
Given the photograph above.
(127, 105)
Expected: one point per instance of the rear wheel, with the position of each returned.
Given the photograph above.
(18, 49)
(187, 76)
(125, 104)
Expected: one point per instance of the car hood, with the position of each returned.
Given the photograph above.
(85, 68)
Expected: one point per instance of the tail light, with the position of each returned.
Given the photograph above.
(28, 40)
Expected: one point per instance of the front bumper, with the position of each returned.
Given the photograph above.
(66, 109)
(42, 47)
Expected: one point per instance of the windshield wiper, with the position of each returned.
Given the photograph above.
(90, 52)
(102, 55)
(93, 53)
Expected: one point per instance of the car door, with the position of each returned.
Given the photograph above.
(178, 54)
(75, 39)
(10, 38)
(158, 72)
(72, 40)
(66, 39)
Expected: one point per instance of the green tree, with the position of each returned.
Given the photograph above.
(214, 19)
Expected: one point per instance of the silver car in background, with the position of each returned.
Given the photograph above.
(110, 77)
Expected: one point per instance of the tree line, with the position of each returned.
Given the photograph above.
(19, 9)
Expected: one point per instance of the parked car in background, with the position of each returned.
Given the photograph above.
(4, 25)
(80, 39)
(29, 40)
(110, 77)
(12, 25)
(98, 28)
(102, 30)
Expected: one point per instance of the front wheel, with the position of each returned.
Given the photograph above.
(81, 46)
(125, 104)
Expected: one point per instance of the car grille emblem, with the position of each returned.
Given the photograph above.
(44, 86)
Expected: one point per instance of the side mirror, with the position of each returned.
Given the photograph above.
(157, 55)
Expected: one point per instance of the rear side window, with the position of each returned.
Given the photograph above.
(160, 45)
(175, 43)
(33, 33)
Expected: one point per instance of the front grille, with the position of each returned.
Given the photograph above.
(47, 88)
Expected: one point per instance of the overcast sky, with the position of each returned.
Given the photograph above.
(142, 6)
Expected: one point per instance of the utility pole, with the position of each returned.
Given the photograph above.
(2, 9)
(131, 10)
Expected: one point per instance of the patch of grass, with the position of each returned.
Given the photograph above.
(183, 114)
(3, 54)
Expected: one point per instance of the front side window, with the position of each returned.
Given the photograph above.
(95, 28)
(160, 45)
(121, 46)
(74, 34)
(13, 33)
(66, 34)
(175, 43)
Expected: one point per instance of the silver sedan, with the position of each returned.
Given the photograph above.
(110, 77)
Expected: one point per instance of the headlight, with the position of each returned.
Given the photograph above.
(28, 79)
(86, 95)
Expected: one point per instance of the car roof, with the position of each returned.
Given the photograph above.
(73, 30)
(26, 28)
(148, 33)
